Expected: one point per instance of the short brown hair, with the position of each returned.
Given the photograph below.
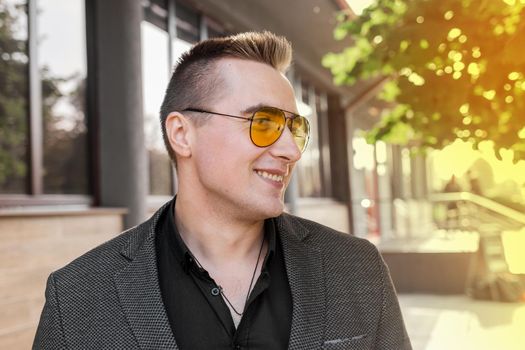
(195, 78)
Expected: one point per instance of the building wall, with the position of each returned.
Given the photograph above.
(32, 245)
(325, 211)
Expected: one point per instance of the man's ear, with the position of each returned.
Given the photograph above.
(178, 131)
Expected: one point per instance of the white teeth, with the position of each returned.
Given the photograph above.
(273, 177)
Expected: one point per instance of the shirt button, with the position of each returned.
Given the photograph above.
(237, 347)
(215, 291)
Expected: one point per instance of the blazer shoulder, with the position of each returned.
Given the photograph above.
(341, 252)
(320, 235)
(106, 258)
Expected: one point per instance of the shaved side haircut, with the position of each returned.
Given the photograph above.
(196, 81)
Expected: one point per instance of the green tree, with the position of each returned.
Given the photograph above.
(13, 99)
(65, 136)
(456, 69)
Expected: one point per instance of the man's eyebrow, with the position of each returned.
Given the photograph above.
(252, 109)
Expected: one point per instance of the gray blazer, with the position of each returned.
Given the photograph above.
(110, 298)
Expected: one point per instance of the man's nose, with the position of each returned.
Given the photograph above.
(286, 147)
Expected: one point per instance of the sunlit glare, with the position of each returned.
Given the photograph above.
(457, 158)
(514, 243)
(363, 154)
(359, 5)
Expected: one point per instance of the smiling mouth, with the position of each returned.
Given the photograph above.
(273, 177)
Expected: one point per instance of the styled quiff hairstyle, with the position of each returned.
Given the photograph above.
(196, 81)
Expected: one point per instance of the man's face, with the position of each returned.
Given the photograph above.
(245, 180)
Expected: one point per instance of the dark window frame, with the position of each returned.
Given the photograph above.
(205, 23)
(168, 24)
(308, 92)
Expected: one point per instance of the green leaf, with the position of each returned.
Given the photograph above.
(390, 91)
(434, 74)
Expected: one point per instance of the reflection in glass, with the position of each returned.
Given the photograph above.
(62, 65)
(13, 96)
(156, 12)
(214, 29)
(188, 23)
(309, 168)
(155, 74)
(364, 187)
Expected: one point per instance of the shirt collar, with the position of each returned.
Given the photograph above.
(183, 254)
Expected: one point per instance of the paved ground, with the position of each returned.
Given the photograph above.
(460, 323)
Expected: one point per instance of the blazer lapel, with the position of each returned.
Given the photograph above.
(139, 291)
(304, 267)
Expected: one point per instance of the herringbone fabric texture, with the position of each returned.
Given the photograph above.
(110, 298)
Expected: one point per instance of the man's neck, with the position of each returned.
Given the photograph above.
(213, 236)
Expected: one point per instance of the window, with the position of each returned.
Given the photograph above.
(43, 128)
(364, 186)
(188, 32)
(159, 54)
(214, 29)
(309, 169)
(155, 75)
(188, 23)
(62, 68)
(14, 83)
(321, 110)
(156, 13)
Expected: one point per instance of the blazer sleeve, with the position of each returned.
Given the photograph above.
(391, 332)
(50, 334)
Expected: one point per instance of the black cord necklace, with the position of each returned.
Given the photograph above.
(249, 287)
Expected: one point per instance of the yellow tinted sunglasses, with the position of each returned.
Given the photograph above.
(267, 125)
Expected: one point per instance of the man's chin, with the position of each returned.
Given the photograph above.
(275, 209)
(263, 208)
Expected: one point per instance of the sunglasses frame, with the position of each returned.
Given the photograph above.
(286, 118)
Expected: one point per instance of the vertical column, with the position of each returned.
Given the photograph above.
(384, 193)
(35, 105)
(340, 161)
(320, 104)
(292, 191)
(397, 173)
(172, 36)
(122, 160)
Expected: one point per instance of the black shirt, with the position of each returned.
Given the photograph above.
(199, 316)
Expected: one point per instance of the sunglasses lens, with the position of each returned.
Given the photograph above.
(267, 126)
(301, 132)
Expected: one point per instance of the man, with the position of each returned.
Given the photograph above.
(221, 266)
